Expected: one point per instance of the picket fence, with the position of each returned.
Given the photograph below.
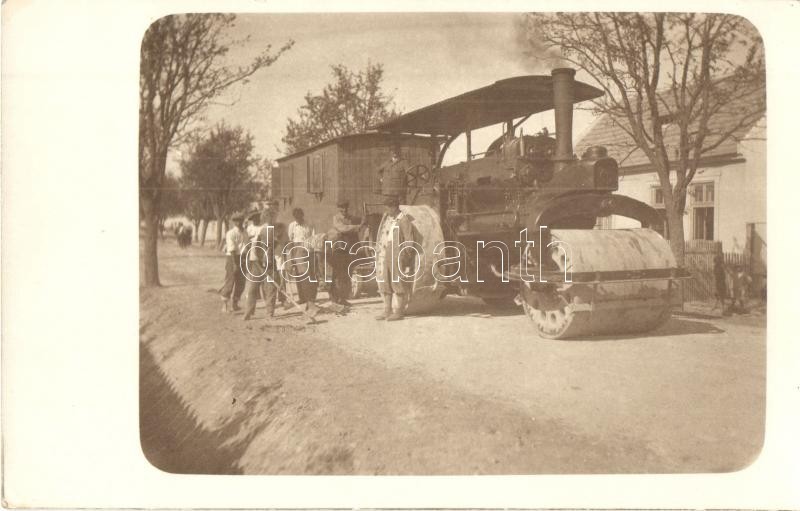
(699, 260)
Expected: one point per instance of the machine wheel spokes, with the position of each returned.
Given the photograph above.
(417, 176)
(550, 312)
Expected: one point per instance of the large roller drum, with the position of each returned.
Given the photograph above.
(568, 310)
(427, 292)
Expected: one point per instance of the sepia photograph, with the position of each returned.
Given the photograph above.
(452, 243)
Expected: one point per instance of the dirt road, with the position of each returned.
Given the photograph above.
(467, 390)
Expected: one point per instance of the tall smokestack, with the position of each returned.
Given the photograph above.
(563, 79)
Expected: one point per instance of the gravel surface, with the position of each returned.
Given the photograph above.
(465, 390)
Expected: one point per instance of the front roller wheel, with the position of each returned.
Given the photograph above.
(563, 316)
(552, 315)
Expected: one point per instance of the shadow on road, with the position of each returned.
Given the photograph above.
(191, 255)
(469, 306)
(695, 315)
(673, 327)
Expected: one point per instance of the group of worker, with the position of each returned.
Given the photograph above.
(263, 256)
(740, 282)
(183, 233)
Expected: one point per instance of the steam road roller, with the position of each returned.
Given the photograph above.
(516, 223)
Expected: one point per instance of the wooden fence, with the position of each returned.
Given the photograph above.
(700, 263)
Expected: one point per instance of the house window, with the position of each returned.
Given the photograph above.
(702, 196)
(657, 201)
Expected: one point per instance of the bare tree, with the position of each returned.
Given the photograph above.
(682, 69)
(181, 72)
(350, 104)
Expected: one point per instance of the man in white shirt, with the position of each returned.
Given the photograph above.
(393, 264)
(302, 272)
(261, 267)
(234, 277)
(273, 207)
(252, 225)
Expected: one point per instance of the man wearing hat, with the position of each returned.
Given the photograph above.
(267, 216)
(234, 278)
(273, 205)
(299, 235)
(344, 229)
(261, 269)
(392, 263)
(392, 174)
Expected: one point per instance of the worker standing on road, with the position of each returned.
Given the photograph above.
(344, 230)
(393, 264)
(234, 277)
(261, 267)
(252, 228)
(302, 271)
(741, 288)
(272, 207)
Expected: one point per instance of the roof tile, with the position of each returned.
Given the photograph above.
(605, 132)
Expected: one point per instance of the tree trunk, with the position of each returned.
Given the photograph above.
(203, 234)
(220, 236)
(675, 225)
(149, 278)
(196, 230)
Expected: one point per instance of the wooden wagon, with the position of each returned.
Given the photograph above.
(344, 168)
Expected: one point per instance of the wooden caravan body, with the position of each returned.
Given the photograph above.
(344, 168)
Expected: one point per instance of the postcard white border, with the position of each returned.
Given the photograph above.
(70, 283)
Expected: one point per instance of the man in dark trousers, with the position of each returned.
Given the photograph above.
(273, 206)
(302, 271)
(234, 278)
(260, 269)
(393, 264)
(342, 235)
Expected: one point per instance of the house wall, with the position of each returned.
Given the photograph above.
(753, 148)
(732, 207)
(739, 198)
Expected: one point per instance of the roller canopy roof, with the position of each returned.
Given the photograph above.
(503, 100)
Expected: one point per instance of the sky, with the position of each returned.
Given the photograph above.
(427, 57)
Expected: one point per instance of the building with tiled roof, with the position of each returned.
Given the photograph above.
(727, 197)
(733, 122)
